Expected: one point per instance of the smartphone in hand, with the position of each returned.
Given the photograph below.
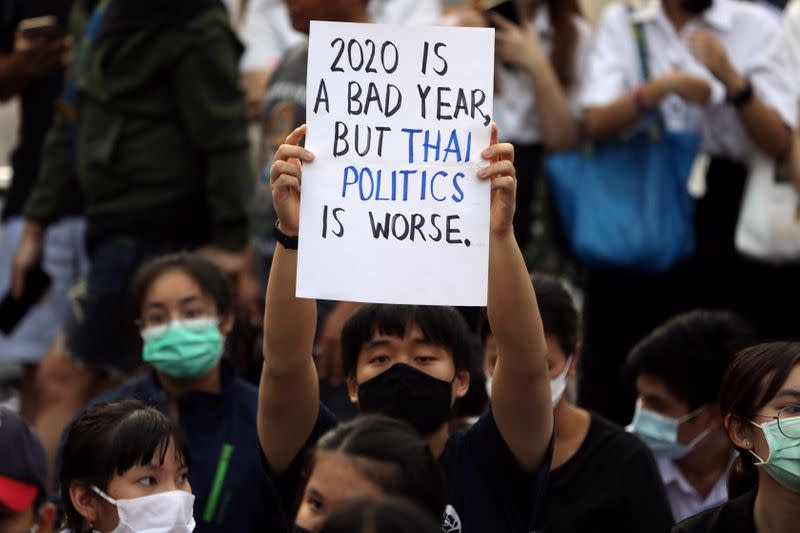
(13, 310)
(504, 8)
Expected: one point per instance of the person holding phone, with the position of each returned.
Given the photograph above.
(33, 55)
(540, 49)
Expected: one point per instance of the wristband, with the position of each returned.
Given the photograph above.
(743, 97)
(288, 242)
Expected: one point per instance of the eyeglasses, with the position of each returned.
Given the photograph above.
(788, 421)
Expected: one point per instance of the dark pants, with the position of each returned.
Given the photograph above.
(623, 308)
(721, 278)
(527, 161)
(620, 310)
(100, 330)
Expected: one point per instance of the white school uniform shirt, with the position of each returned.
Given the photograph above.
(745, 29)
(267, 29)
(778, 77)
(514, 99)
(683, 498)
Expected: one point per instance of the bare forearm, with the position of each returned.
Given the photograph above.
(763, 124)
(559, 128)
(513, 312)
(521, 390)
(608, 121)
(13, 76)
(289, 322)
(289, 393)
(766, 128)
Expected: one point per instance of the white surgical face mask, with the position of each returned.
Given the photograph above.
(559, 384)
(164, 512)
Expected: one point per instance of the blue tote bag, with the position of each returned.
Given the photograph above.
(624, 204)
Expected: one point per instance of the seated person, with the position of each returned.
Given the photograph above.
(184, 308)
(678, 370)
(23, 479)
(410, 362)
(125, 468)
(370, 458)
(760, 403)
(599, 473)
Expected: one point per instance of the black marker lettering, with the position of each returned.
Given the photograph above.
(378, 229)
(322, 97)
(450, 231)
(340, 134)
(417, 221)
(423, 95)
(336, 41)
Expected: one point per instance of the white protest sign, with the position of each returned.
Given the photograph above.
(392, 210)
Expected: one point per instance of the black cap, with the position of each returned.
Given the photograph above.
(23, 463)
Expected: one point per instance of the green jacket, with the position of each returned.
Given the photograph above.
(160, 117)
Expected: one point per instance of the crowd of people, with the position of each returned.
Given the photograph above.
(173, 382)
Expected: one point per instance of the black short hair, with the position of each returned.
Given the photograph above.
(389, 516)
(206, 274)
(560, 317)
(476, 401)
(108, 440)
(691, 353)
(405, 466)
(442, 326)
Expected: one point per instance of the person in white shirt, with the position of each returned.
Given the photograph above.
(701, 55)
(789, 39)
(678, 370)
(268, 34)
(778, 80)
(539, 71)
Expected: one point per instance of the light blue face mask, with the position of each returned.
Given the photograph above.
(660, 433)
(783, 463)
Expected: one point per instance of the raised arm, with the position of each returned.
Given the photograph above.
(521, 384)
(289, 390)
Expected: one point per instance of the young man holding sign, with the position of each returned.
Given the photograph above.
(408, 362)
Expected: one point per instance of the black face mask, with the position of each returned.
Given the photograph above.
(409, 394)
(696, 6)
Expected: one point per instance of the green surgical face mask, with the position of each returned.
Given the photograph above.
(183, 349)
(783, 463)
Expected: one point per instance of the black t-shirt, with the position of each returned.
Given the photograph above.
(487, 490)
(611, 485)
(37, 100)
(736, 516)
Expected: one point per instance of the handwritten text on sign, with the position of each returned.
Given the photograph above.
(392, 210)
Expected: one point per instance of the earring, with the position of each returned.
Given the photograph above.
(748, 443)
